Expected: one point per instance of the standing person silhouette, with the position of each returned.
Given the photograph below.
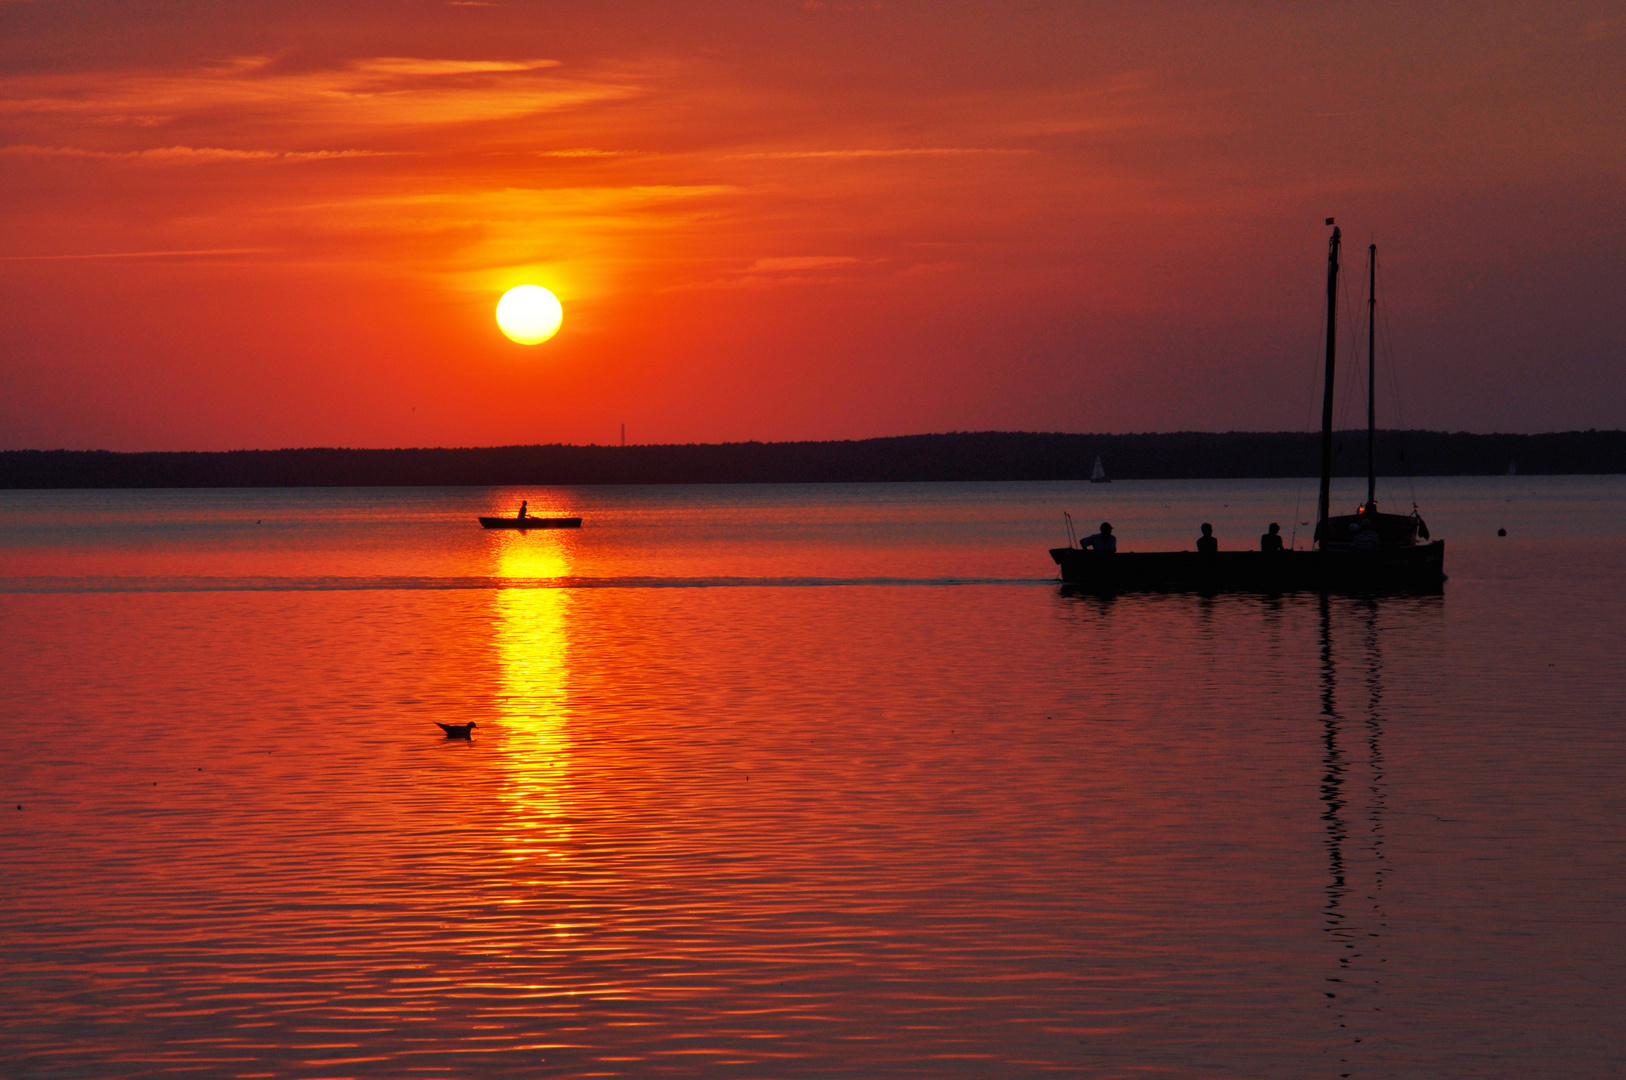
(1272, 540)
(1206, 544)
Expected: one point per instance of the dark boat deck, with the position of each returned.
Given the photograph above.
(1380, 569)
(531, 522)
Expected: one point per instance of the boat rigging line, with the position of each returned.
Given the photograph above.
(1309, 415)
(1324, 500)
(1390, 370)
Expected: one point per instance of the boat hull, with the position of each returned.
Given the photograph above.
(531, 523)
(1380, 570)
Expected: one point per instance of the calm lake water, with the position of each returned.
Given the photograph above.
(777, 781)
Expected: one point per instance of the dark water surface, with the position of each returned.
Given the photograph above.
(803, 781)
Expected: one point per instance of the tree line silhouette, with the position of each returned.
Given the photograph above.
(986, 455)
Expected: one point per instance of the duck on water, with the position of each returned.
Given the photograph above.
(1366, 550)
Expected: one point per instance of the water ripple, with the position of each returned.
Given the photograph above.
(753, 826)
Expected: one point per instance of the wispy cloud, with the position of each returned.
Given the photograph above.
(186, 154)
(407, 65)
(898, 152)
(363, 96)
(192, 254)
(801, 262)
(788, 271)
(474, 234)
(589, 152)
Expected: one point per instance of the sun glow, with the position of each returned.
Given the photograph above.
(529, 314)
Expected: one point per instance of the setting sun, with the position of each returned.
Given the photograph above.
(529, 314)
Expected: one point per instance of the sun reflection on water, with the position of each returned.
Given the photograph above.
(532, 636)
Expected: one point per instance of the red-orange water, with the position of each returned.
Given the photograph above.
(800, 781)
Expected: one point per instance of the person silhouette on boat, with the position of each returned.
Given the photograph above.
(1206, 544)
(1272, 540)
(1103, 541)
(524, 508)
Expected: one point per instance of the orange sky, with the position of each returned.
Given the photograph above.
(260, 225)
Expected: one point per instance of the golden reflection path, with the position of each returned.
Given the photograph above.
(531, 624)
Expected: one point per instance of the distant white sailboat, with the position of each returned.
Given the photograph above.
(1512, 468)
(1099, 476)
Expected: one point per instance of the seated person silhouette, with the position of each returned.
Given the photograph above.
(1206, 544)
(524, 507)
(1103, 541)
(1272, 540)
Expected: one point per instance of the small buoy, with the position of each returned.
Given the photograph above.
(19, 806)
(1501, 532)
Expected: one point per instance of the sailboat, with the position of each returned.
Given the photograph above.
(1363, 551)
(1099, 474)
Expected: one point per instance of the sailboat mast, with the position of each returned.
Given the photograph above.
(1371, 377)
(1324, 509)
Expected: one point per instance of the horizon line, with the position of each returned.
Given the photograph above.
(827, 442)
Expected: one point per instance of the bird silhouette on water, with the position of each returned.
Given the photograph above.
(457, 731)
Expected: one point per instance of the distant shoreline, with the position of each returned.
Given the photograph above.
(957, 456)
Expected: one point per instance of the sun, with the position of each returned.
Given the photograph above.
(529, 314)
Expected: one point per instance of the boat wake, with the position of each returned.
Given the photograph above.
(409, 584)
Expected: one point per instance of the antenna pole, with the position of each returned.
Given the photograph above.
(1324, 509)
(1371, 378)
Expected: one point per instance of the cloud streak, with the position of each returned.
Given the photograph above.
(186, 155)
(894, 152)
(372, 96)
(589, 152)
(408, 65)
(194, 254)
(802, 262)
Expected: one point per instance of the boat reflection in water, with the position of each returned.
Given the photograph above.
(1353, 718)
(1290, 787)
